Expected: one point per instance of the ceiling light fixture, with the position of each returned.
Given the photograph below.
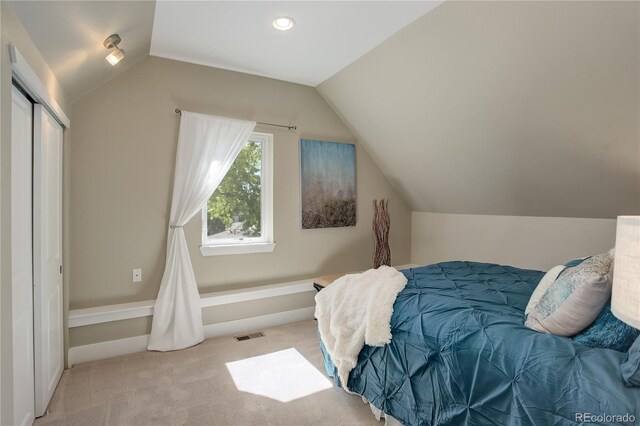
(117, 55)
(283, 23)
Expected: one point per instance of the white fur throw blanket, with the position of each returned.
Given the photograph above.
(356, 310)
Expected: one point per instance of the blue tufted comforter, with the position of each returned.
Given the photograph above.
(460, 355)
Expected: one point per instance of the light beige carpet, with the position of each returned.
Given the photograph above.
(195, 387)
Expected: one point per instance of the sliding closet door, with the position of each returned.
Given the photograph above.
(21, 259)
(47, 255)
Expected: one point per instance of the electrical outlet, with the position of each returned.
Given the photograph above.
(137, 275)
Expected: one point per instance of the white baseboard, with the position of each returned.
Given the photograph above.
(112, 348)
(254, 323)
(124, 311)
(109, 349)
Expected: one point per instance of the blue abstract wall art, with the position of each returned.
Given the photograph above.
(328, 184)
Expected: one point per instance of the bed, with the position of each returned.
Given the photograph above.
(460, 355)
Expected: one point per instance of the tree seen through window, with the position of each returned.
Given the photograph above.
(234, 209)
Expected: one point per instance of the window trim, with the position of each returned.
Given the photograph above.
(265, 243)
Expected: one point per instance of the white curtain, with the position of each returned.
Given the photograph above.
(207, 147)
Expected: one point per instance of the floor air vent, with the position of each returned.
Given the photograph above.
(249, 336)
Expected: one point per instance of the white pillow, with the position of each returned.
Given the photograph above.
(544, 284)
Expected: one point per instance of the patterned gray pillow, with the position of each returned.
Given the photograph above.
(575, 299)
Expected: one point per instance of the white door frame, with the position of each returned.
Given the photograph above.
(29, 81)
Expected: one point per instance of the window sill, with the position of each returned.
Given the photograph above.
(224, 249)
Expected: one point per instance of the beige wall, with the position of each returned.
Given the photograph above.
(526, 242)
(12, 32)
(526, 108)
(122, 159)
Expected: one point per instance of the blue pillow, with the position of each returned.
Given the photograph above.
(576, 262)
(630, 368)
(608, 332)
(573, 263)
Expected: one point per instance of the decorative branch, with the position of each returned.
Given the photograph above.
(381, 226)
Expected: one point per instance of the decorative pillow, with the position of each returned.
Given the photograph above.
(608, 332)
(542, 287)
(576, 262)
(573, 263)
(630, 368)
(575, 299)
(547, 280)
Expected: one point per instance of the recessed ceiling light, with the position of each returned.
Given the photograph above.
(283, 23)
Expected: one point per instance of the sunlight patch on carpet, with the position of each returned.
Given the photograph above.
(283, 376)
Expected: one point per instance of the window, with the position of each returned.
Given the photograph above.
(238, 218)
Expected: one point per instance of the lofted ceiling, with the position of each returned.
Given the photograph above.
(234, 35)
(504, 108)
(239, 36)
(69, 35)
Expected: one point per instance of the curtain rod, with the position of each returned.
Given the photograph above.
(179, 111)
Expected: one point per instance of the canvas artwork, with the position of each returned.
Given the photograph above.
(328, 182)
